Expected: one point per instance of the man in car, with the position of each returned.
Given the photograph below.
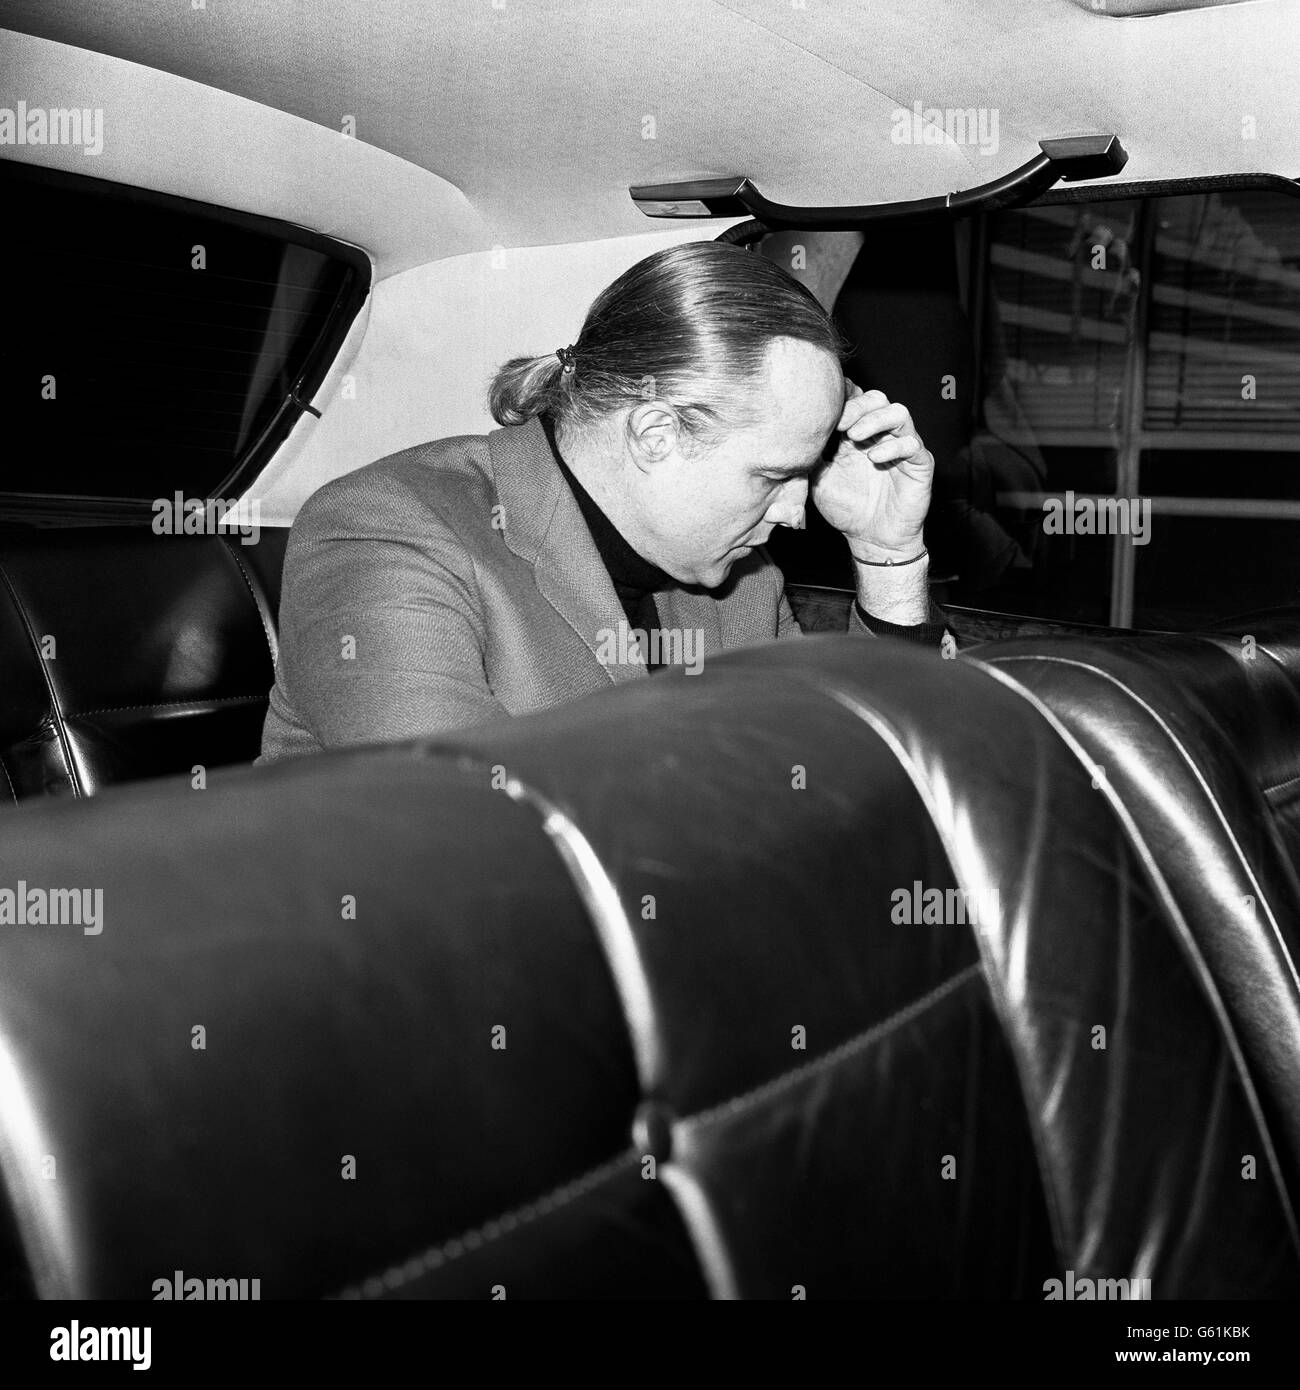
(613, 525)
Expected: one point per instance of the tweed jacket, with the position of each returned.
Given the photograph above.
(456, 582)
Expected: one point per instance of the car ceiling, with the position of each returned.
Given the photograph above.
(537, 109)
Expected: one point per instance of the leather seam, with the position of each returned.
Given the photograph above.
(435, 1256)
(1176, 920)
(1230, 835)
(1278, 789)
(56, 711)
(835, 1055)
(9, 782)
(607, 920)
(259, 602)
(883, 725)
(168, 704)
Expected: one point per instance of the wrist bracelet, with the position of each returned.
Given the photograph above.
(892, 564)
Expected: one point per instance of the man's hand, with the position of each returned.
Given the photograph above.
(876, 488)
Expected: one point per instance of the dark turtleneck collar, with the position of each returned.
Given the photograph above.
(634, 577)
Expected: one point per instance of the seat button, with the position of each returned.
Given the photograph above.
(652, 1130)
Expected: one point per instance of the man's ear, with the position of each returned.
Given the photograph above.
(654, 433)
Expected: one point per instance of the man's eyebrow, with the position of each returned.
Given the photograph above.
(792, 470)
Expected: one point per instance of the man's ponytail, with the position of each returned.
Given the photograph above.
(524, 388)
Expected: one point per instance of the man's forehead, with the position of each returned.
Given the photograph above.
(793, 364)
(806, 388)
(794, 438)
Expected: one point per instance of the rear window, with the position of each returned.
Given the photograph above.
(155, 345)
(1110, 390)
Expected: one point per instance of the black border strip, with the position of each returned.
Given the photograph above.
(65, 508)
(747, 233)
(1165, 188)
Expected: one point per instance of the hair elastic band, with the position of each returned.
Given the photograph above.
(565, 354)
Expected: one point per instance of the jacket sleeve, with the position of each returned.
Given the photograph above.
(381, 625)
(787, 625)
(929, 633)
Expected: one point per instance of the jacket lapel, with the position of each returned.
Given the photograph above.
(692, 608)
(543, 525)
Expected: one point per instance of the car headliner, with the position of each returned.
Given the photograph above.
(536, 110)
(491, 124)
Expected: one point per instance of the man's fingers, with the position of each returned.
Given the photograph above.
(895, 448)
(852, 394)
(879, 420)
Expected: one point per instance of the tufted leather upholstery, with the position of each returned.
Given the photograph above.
(1198, 738)
(162, 656)
(651, 892)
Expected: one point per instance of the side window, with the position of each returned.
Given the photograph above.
(1220, 408)
(1111, 393)
(1057, 295)
(153, 345)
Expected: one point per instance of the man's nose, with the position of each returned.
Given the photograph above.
(788, 508)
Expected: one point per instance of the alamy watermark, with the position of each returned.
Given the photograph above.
(193, 1289)
(1095, 1289)
(77, 1343)
(179, 515)
(1098, 516)
(921, 906)
(955, 125)
(659, 646)
(53, 125)
(53, 907)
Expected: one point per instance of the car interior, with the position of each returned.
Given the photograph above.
(631, 998)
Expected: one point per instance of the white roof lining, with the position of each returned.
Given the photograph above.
(535, 111)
